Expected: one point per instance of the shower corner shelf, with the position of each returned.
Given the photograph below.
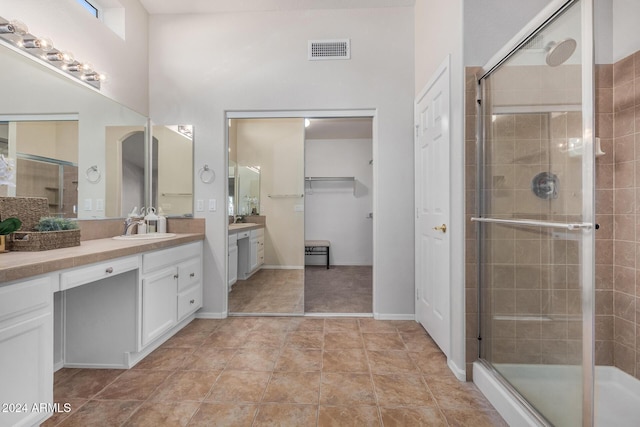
(311, 179)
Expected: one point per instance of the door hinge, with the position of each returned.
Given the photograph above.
(417, 212)
(417, 294)
(417, 130)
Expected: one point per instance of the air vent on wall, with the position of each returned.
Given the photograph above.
(329, 49)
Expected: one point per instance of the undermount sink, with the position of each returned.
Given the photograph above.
(149, 236)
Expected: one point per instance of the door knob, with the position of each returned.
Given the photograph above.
(442, 228)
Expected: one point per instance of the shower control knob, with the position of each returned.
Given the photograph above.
(442, 228)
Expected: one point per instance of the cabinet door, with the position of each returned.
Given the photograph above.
(233, 265)
(253, 254)
(159, 310)
(26, 352)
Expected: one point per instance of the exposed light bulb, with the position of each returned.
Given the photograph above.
(19, 27)
(45, 44)
(307, 122)
(73, 67)
(67, 57)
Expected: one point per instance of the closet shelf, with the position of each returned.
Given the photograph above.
(311, 179)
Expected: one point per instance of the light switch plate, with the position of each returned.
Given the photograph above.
(99, 205)
(299, 208)
(87, 205)
(212, 205)
(200, 205)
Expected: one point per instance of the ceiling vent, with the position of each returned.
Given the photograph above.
(329, 49)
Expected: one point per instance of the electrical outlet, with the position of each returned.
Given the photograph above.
(199, 205)
(212, 205)
(87, 205)
(99, 205)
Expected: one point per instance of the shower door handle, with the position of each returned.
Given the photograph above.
(442, 228)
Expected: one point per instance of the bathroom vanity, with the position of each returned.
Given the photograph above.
(105, 304)
(245, 251)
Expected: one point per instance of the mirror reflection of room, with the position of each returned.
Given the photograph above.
(46, 164)
(300, 213)
(266, 214)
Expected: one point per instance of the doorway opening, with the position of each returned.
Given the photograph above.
(326, 195)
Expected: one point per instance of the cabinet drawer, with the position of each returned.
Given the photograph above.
(242, 234)
(189, 273)
(189, 301)
(71, 279)
(24, 297)
(159, 259)
(259, 232)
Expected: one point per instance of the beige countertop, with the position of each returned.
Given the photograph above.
(234, 228)
(20, 265)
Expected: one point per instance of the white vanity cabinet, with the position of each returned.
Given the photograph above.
(232, 260)
(26, 351)
(256, 243)
(171, 288)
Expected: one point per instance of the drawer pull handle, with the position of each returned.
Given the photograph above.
(109, 270)
(192, 275)
(192, 301)
(175, 276)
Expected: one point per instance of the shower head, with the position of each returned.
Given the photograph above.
(559, 52)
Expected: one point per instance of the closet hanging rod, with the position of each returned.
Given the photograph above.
(285, 196)
(531, 223)
(330, 178)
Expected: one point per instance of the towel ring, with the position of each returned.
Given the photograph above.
(207, 175)
(93, 174)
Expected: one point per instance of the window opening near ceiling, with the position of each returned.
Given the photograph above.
(90, 8)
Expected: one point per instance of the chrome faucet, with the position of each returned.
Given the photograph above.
(127, 226)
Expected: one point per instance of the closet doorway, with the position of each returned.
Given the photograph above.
(334, 197)
(338, 221)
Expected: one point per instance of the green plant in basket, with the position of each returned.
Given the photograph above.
(9, 225)
(56, 224)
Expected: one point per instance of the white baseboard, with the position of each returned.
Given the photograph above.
(461, 374)
(338, 315)
(211, 315)
(282, 267)
(390, 316)
(338, 264)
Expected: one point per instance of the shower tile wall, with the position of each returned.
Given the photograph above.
(626, 213)
(534, 274)
(617, 241)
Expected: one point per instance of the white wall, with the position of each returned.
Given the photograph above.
(258, 61)
(73, 29)
(490, 24)
(332, 211)
(626, 39)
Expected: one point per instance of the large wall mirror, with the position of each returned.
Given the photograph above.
(77, 138)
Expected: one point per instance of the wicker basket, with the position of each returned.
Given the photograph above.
(32, 241)
(29, 210)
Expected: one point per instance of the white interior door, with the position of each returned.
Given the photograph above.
(432, 208)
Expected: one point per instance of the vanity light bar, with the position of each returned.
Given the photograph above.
(16, 35)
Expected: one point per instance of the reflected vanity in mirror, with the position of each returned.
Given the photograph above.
(43, 95)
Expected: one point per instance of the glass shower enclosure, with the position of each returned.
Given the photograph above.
(536, 218)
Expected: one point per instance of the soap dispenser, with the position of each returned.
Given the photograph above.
(162, 222)
(152, 220)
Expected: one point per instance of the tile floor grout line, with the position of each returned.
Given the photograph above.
(373, 385)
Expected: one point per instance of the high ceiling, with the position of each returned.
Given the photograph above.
(217, 6)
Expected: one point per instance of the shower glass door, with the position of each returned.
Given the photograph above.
(535, 218)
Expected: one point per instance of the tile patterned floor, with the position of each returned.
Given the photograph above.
(341, 289)
(269, 291)
(295, 371)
